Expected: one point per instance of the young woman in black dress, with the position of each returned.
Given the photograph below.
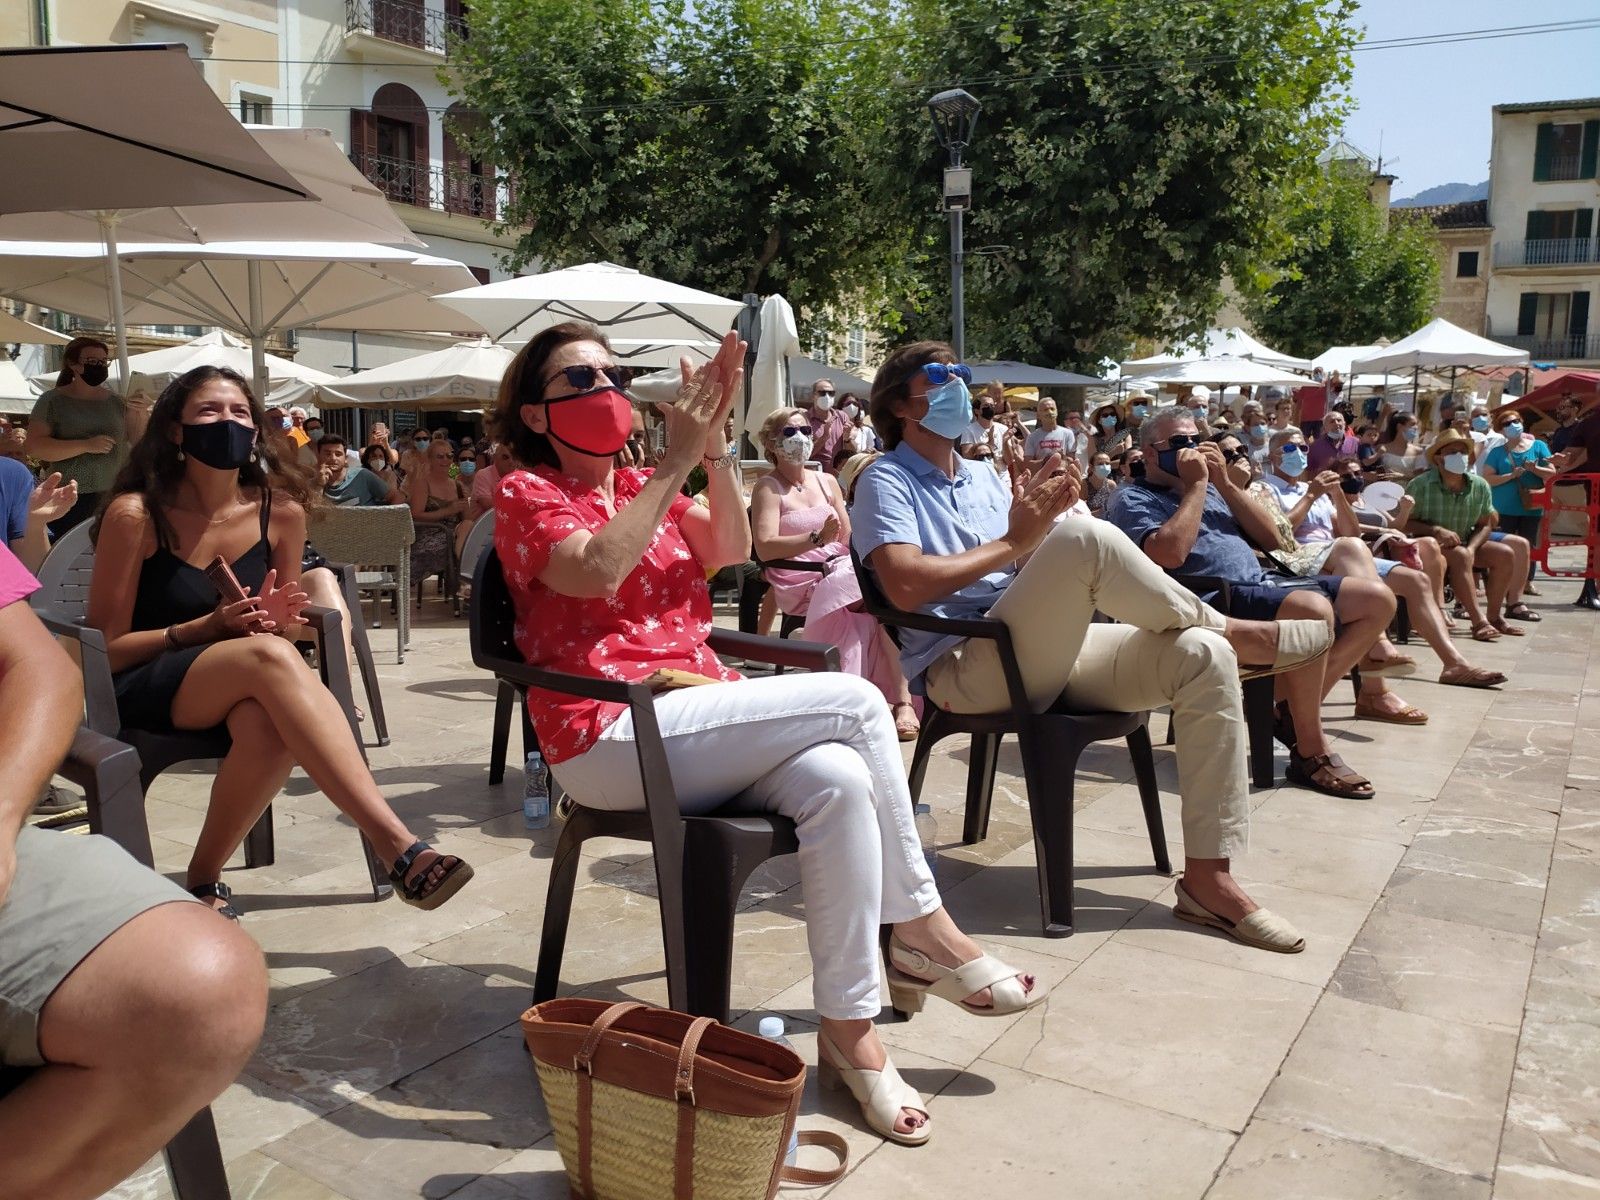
(200, 483)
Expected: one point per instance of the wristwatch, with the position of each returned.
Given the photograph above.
(726, 459)
(816, 537)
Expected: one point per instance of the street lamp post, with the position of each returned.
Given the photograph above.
(955, 117)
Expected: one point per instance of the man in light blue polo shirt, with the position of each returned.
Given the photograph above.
(947, 537)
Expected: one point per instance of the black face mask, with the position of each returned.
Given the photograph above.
(1350, 485)
(94, 374)
(223, 445)
(987, 412)
(1136, 469)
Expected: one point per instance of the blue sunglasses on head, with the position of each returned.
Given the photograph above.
(938, 373)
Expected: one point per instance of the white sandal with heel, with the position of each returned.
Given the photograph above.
(914, 976)
(881, 1094)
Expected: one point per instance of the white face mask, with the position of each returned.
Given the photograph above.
(1457, 463)
(824, 401)
(376, 464)
(795, 448)
(850, 410)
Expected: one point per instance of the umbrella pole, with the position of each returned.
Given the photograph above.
(258, 344)
(108, 231)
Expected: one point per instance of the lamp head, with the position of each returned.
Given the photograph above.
(955, 117)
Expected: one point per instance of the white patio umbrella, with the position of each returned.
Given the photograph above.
(252, 288)
(1436, 346)
(15, 329)
(17, 395)
(1223, 370)
(219, 348)
(622, 301)
(465, 375)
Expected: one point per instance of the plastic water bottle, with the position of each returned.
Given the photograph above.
(928, 835)
(536, 792)
(772, 1029)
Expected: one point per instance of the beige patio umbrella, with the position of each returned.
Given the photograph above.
(15, 329)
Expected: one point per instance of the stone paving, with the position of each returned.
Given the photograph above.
(1437, 1039)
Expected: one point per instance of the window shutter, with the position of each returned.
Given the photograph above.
(1591, 150)
(1543, 148)
(419, 156)
(363, 137)
(1578, 325)
(1538, 225)
(1527, 314)
(1582, 223)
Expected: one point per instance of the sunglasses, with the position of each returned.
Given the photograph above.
(1233, 456)
(1182, 441)
(793, 430)
(586, 377)
(938, 373)
(829, 392)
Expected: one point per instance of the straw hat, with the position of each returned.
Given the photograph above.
(853, 468)
(1447, 441)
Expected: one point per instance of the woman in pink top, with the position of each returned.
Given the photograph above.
(607, 572)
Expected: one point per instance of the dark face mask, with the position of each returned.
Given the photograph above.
(1350, 485)
(987, 412)
(1167, 460)
(1136, 468)
(222, 445)
(94, 374)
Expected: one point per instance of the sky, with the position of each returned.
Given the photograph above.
(1426, 109)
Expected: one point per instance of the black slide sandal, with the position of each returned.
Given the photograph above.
(217, 891)
(429, 890)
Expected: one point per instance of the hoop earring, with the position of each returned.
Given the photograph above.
(180, 455)
(255, 455)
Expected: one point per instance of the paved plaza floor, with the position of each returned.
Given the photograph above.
(1439, 1038)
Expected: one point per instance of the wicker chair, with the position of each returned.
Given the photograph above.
(378, 540)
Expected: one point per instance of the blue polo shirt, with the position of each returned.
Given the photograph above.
(16, 490)
(1220, 548)
(905, 498)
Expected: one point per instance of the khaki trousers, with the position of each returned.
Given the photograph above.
(1168, 650)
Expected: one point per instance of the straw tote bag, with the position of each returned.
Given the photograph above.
(651, 1104)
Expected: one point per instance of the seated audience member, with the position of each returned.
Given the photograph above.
(1520, 464)
(1253, 433)
(1331, 444)
(852, 471)
(987, 436)
(1191, 518)
(607, 571)
(1403, 458)
(1099, 486)
(376, 458)
(13, 441)
(202, 483)
(1369, 454)
(27, 508)
(380, 437)
(439, 504)
(1050, 437)
(1454, 506)
(344, 484)
(1327, 541)
(860, 437)
(800, 514)
(945, 539)
(486, 481)
(124, 1005)
(1281, 406)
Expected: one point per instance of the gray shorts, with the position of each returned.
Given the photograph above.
(69, 895)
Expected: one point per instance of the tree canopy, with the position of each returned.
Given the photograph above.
(1351, 274)
(1131, 154)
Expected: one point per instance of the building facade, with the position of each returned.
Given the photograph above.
(1462, 238)
(367, 70)
(1543, 193)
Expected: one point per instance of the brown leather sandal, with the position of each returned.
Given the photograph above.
(1472, 677)
(1328, 774)
(1506, 627)
(1485, 632)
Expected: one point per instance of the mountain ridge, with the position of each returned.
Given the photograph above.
(1444, 193)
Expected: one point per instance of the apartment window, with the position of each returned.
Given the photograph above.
(1466, 264)
(1558, 321)
(856, 348)
(255, 110)
(1566, 150)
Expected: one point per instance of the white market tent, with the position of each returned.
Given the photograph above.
(17, 395)
(636, 309)
(1222, 370)
(463, 376)
(1229, 342)
(1440, 344)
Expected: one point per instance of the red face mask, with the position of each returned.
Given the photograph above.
(596, 423)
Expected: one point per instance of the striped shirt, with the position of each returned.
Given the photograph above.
(1457, 511)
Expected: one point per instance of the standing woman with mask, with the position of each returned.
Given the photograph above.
(1403, 457)
(1099, 485)
(800, 514)
(83, 429)
(1110, 432)
(203, 483)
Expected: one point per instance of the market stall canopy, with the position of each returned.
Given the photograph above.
(215, 349)
(1582, 384)
(622, 301)
(1339, 358)
(15, 329)
(1220, 371)
(1230, 342)
(463, 376)
(91, 129)
(804, 372)
(1019, 374)
(17, 395)
(1437, 345)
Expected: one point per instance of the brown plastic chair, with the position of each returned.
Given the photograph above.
(701, 863)
(1051, 743)
(61, 602)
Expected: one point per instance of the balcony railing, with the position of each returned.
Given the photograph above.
(1547, 252)
(1543, 349)
(1564, 166)
(404, 22)
(449, 189)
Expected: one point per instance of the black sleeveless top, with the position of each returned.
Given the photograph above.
(172, 591)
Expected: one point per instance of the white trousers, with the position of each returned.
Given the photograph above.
(821, 750)
(1168, 650)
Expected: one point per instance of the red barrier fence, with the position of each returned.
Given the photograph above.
(1572, 503)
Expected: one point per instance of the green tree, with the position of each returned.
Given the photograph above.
(720, 144)
(1351, 275)
(1131, 155)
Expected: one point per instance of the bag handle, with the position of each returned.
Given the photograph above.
(584, 1059)
(808, 1176)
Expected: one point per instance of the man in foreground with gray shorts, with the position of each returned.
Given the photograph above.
(125, 1005)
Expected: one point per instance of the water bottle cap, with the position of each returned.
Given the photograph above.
(771, 1027)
